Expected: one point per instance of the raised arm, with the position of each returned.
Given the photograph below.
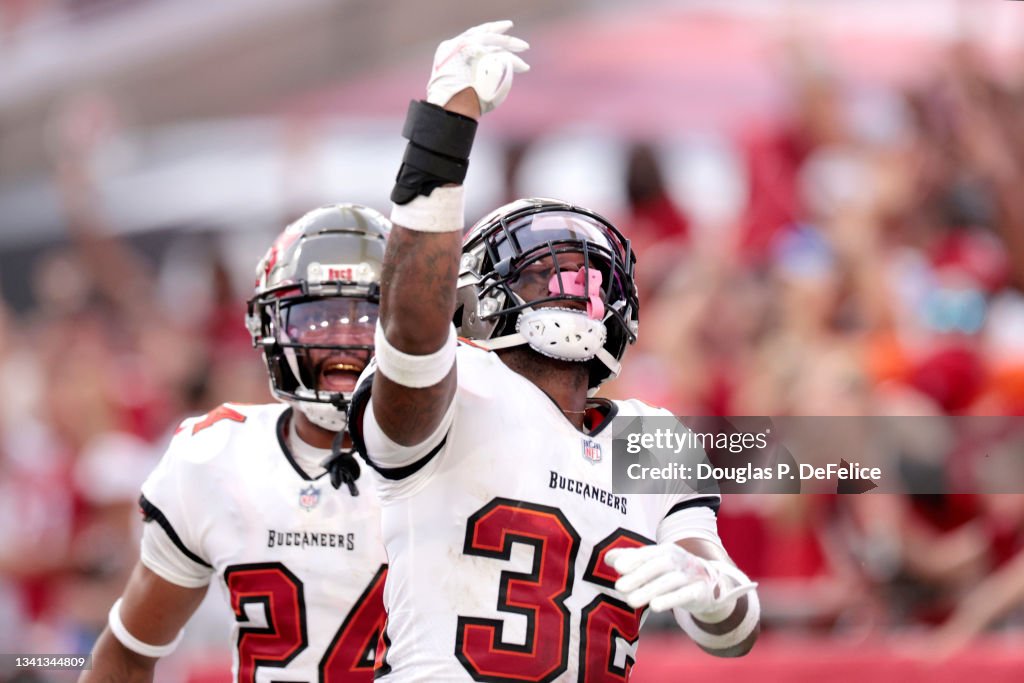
(414, 385)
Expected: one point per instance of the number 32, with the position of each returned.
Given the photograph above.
(540, 595)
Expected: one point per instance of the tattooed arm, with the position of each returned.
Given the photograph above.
(417, 303)
(472, 74)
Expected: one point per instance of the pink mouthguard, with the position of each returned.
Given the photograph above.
(572, 283)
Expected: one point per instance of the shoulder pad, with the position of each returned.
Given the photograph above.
(201, 438)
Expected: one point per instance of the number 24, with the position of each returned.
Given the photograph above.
(281, 594)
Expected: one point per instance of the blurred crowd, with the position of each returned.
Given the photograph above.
(867, 275)
(870, 274)
(94, 378)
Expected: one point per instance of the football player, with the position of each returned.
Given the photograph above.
(511, 557)
(265, 500)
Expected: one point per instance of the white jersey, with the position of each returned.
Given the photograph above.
(497, 539)
(300, 563)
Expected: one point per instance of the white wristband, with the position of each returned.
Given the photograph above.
(133, 643)
(415, 372)
(442, 211)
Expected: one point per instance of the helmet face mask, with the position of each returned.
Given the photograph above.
(322, 336)
(315, 308)
(510, 269)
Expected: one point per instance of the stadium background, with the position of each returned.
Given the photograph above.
(824, 196)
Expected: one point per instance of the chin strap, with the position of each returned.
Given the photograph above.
(330, 416)
(609, 360)
(342, 465)
(506, 342)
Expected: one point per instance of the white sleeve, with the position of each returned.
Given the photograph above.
(391, 460)
(172, 498)
(165, 559)
(387, 454)
(689, 511)
(695, 518)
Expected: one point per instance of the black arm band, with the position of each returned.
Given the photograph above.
(442, 167)
(438, 151)
(439, 130)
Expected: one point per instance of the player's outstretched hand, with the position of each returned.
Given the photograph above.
(482, 58)
(665, 576)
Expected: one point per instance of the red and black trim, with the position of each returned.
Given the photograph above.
(353, 650)
(539, 595)
(598, 571)
(218, 414)
(151, 513)
(280, 593)
(606, 619)
(603, 622)
(357, 408)
(599, 414)
(381, 667)
(469, 342)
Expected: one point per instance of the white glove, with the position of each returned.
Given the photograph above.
(665, 576)
(480, 58)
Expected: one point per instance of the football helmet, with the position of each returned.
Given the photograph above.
(577, 271)
(315, 308)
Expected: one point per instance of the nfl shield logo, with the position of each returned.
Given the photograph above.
(591, 450)
(309, 497)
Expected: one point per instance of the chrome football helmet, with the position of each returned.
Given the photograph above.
(315, 308)
(586, 307)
